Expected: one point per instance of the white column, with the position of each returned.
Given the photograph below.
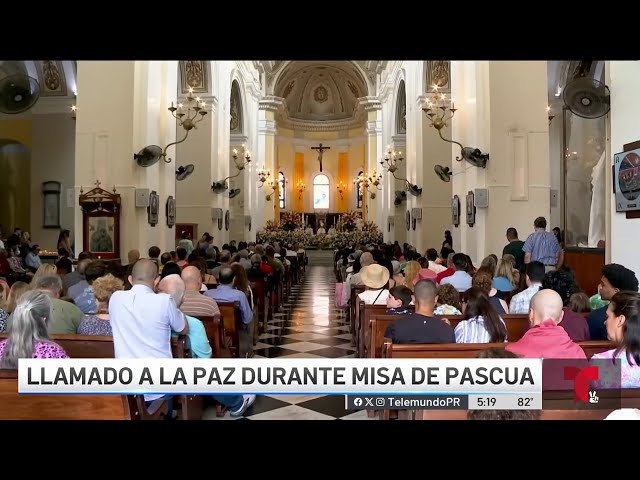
(501, 111)
(266, 154)
(623, 80)
(122, 107)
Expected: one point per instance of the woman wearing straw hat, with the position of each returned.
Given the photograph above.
(375, 279)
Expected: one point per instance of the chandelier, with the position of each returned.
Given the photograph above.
(439, 114)
(300, 186)
(263, 175)
(365, 181)
(392, 160)
(222, 185)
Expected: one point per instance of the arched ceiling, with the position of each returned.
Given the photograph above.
(321, 95)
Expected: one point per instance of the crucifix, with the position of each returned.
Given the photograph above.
(320, 149)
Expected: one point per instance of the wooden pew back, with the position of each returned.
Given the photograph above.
(232, 324)
(57, 407)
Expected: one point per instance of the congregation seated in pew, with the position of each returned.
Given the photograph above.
(448, 302)
(195, 303)
(399, 300)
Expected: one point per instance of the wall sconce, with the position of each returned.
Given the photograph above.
(365, 181)
(392, 160)
(436, 111)
(551, 117)
(222, 186)
(263, 175)
(73, 111)
(300, 186)
(187, 116)
(342, 187)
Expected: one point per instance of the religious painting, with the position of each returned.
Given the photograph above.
(154, 208)
(101, 234)
(193, 73)
(101, 222)
(227, 220)
(171, 212)
(471, 209)
(235, 109)
(320, 94)
(438, 74)
(51, 203)
(51, 78)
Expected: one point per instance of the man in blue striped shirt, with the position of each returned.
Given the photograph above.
(542, 246)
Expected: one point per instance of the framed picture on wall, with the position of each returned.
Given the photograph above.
(101, 222)
(171, 211)
(154, 208)
(455, 211)
(51, 204)
(471, 209)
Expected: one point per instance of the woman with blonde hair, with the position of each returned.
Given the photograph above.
(28, 337)
(44, 270)
(504, 280)
(411, 274)
(98, 323)
(17, 290)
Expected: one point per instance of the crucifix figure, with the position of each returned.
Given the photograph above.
(320, 149)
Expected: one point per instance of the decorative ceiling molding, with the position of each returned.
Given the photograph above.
(194, 74)
(370, 104)
(356, 121)
(300, 145)
(271, 102)
(51, 77)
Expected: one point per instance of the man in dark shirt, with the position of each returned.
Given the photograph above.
(614, 278)
(421, 326)
(514, 247)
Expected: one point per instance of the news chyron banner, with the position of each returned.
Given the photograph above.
(450, 383)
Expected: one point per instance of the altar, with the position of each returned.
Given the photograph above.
(317, 220)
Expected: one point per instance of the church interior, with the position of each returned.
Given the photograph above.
(306, 187)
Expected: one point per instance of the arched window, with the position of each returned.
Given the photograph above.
(321, 192)
(359, 193)
(281, 191)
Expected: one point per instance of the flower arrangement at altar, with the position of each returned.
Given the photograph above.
(289, 221)
(348, 221)
(369, 235)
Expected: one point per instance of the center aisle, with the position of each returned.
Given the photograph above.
(309, 326)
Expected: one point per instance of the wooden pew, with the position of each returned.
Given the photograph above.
(58, 407)
(259, 289)
(516, 326)
(215, 333)
(367, 313)
(232, 324)
(467, 350)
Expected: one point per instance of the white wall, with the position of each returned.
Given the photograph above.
(52, 159)
(625, 104)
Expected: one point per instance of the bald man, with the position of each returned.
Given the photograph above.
(194, 303)
(173, 286)
(545, 338)
(141, 320)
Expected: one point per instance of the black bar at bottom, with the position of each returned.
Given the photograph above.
(407, 402)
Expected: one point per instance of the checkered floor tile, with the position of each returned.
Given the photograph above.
(308, 327)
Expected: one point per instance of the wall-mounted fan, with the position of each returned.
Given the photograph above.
(400, 197)
(234, 192)
(184, 172)
(414, 190)
(444, 173)
(149, 155)
(587, 97)
(18, 93)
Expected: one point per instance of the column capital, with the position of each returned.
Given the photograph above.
(399, 140)
(267, 127)
(271, 103)
(236, 139)
(370, 104)
(374, 127)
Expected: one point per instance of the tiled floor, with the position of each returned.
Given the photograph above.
(308, 327)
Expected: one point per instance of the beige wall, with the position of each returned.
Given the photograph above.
(47, 155)
(52, 159)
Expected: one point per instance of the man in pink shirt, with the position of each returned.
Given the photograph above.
(545, 338)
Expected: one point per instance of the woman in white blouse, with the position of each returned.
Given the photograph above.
(482, 323)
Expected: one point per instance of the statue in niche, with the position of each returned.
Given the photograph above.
(235, 114)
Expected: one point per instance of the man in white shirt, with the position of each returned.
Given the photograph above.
(142, 321)
(520, 302)
(432, 256)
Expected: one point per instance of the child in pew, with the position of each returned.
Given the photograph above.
(28, 336)
(400, 297)
(495, 352)
(448, 300)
